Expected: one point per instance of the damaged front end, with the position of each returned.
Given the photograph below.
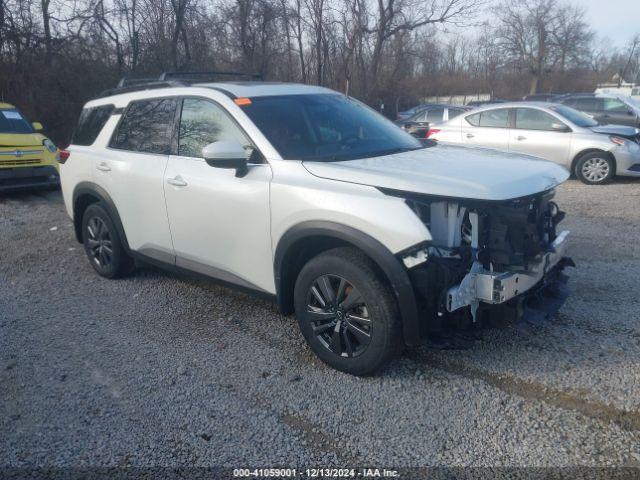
(489, 262)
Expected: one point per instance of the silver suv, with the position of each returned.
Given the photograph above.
(606, 108)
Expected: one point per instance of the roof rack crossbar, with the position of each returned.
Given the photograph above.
(126, 81)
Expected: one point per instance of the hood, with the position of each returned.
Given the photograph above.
(449, 171)
(622, 130)
(21, 139)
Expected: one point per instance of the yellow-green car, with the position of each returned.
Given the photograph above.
(28, 159)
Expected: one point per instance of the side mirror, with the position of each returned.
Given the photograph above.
(560, 127)
(226, 154)
(37, 126)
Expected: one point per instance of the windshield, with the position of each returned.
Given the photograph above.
(12, 121)
(574, 116)
(326, 127)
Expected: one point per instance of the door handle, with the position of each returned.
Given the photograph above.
(103, 167)
(177, 181)
(520, 138)
(470, 135)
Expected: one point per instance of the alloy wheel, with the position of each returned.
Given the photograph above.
(99, 242)
(339, 316)
(595, 169)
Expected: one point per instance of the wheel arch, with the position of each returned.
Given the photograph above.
(88, 193)
(303, 241)
(586, 151)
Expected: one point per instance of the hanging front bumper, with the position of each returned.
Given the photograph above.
(481, 285)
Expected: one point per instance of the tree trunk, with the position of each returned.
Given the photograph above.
(287, 31)
(1, 24)
(46, 22)
(303, 66)
(533, 89)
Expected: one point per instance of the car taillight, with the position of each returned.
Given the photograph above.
(63, 155)
(431, 131)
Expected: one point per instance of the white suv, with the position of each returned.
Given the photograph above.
(309, 197)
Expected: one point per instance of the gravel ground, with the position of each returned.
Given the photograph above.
(162, 370)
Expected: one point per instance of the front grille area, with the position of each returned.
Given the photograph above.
(19, 162)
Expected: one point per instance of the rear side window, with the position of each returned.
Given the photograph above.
(490, 118)
(454, 112)
(435, 115)
(90, 124)
(146, 126)
(495, 118)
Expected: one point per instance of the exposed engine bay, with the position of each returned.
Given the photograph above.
(488, 260)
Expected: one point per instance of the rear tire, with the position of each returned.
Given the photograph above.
(595, 168)
(103, 244)
(347, 312)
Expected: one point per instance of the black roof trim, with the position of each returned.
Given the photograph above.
(174, 79)
(141, 87)
(192, 77)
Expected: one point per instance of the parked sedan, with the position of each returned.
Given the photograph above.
(418, 124)
(594, 153)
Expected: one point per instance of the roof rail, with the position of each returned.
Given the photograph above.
(138, 86)
(211, 75)
(171, 79)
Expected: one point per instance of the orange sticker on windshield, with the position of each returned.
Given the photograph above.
(242, 101)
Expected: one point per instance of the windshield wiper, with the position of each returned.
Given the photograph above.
(358, 156)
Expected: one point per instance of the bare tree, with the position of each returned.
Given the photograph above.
(571, 36)
(179, 12)
(633, 57)
(397, 16)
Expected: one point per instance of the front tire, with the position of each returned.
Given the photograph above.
(102, 243)
(346, 312)
(596, 168)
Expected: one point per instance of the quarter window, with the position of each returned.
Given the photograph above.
(90, 124)
(147, 126)
(533, 119)
(203, 122)
(473, 119)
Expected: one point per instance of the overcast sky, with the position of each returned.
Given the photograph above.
(616, 19)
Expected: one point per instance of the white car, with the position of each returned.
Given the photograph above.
(308, 197)
(594, 153)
